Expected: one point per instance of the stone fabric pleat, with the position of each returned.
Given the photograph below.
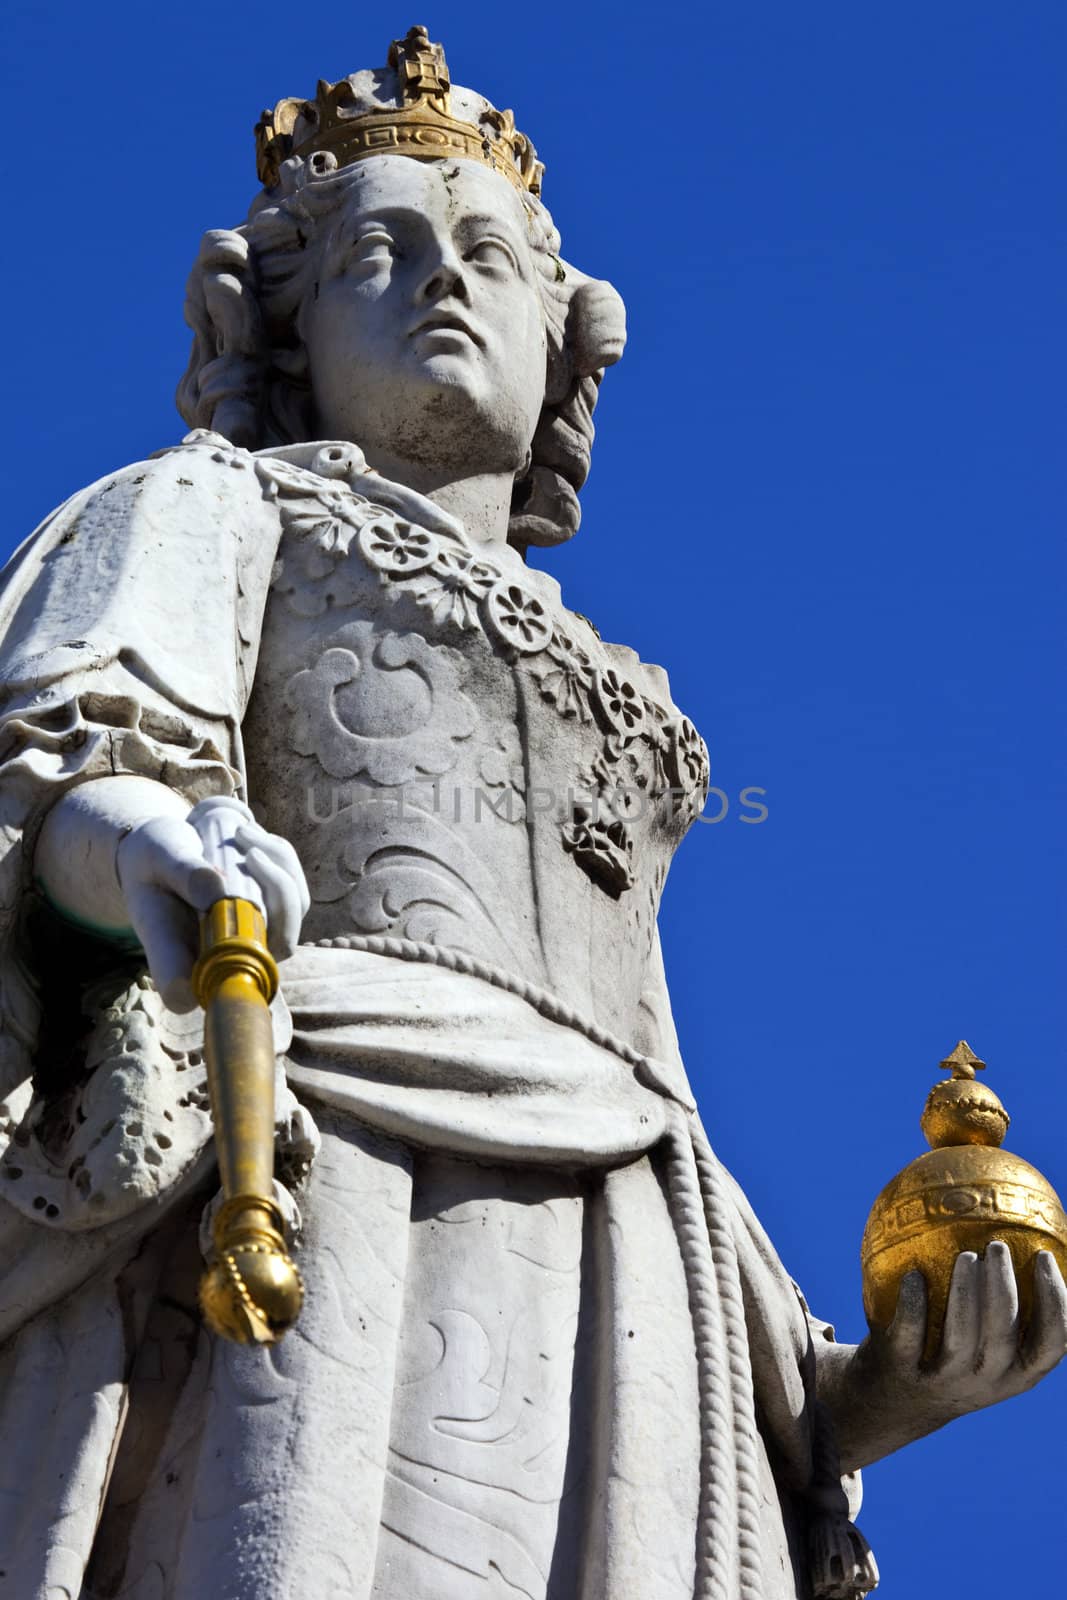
(494, 1391)
(61, 1403)
(245, 1470)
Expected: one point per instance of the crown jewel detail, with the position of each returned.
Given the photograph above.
(339, 130)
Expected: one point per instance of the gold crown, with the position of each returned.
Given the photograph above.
(420, 125)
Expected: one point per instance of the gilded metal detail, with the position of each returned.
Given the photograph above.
(421, 69)
(421, 127)
(252, 1291)
(961, 1195)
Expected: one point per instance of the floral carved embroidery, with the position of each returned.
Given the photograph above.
(687, 765)
(332, 520)
(326, 518)
(396, 549)
(619, 702)
(602, 845)
(518, 618)
(455, 586)
(566, 677)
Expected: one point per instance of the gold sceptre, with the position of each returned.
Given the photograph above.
(961, 1194)
(251, 1292)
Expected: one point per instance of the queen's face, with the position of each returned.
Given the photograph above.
(425, 332)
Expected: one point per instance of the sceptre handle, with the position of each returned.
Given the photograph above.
(251, 1292)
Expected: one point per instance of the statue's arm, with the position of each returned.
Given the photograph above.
(130, 631)
(882, 1396)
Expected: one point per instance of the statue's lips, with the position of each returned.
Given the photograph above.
(445, 322)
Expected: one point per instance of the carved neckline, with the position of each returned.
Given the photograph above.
(340, 513)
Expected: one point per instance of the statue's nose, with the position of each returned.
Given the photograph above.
(444, 277)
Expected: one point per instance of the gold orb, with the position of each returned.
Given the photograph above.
(961, 1195)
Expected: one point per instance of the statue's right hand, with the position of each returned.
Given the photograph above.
(167, 882)
(119, 855)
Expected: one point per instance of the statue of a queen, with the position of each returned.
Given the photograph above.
(547, 1351)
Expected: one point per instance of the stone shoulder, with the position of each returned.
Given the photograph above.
(158, 562)
(204, 462)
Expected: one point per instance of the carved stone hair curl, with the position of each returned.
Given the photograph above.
(248, 376)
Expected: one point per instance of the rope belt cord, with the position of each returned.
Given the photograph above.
(546, 1004)
(741, 1401)
(720, 1564)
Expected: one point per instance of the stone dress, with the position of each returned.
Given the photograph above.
(547, 1351)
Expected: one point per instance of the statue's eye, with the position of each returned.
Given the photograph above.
(492, 252)
(373, 247)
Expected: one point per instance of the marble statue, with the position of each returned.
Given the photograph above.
(547, 1350)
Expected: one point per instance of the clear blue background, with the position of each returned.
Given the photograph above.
(827, 495)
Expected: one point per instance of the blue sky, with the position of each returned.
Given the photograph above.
(827, 494)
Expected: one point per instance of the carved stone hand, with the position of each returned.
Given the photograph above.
(118, 854)
(982, 1359)
(881, 1393)
(164, 874)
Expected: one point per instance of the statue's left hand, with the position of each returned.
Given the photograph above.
(881, 1394)
(981, 1358)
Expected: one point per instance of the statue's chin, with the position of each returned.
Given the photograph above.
(446, 414)
(452, 366)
